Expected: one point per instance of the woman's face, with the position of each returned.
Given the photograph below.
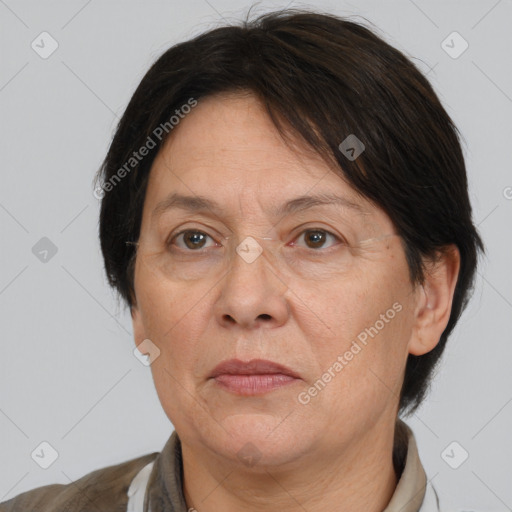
(344, 328)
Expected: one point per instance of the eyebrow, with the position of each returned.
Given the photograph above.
(201, 203)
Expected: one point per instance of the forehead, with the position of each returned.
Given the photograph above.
(234, 129)
(229, 151)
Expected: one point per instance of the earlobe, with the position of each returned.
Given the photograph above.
(434, 303)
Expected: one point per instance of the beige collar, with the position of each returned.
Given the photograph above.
(410, 490)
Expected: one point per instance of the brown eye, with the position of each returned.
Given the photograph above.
(316, 238)
(193, 239)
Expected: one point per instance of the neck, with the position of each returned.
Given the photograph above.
(361, 478)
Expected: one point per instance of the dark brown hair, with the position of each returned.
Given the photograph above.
(323, 78)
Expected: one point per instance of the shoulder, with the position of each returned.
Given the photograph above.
(102, 489)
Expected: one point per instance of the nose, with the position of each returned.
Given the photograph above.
(252, 294)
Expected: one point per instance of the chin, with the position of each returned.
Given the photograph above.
(258, 440)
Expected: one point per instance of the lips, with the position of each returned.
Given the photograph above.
(255, 377)
(253, 367)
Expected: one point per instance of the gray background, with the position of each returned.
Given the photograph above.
(68, 374)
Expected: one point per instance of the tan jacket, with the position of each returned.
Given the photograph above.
(105, 490)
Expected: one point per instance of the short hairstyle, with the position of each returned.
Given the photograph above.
(321, 78)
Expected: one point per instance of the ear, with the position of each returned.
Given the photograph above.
(434, 301)
(139, 333)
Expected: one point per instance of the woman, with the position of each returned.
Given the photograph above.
(285, 212)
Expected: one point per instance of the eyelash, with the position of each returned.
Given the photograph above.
(174, 237)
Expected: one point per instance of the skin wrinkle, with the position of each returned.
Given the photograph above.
(338, 448)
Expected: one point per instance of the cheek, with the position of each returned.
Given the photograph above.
(174, 317)
(171, 313)
(334, 315)
(366, 321)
